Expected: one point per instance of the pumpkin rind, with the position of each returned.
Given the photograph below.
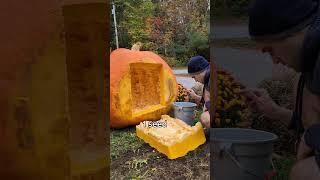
(142, 87)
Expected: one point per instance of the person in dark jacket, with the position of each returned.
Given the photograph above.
(289, 30)
(199, 70)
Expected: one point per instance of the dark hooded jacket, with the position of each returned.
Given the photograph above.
(310, 78)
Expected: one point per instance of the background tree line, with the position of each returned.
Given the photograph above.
(175, 29)
(230, 8)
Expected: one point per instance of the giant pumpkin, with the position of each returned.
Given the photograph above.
(142, 87)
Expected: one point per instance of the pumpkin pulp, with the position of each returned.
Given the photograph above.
(175, 139)
(146, 89)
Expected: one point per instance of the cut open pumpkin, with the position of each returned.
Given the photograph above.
(142, 87)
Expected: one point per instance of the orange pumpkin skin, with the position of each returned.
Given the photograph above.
(142, 87)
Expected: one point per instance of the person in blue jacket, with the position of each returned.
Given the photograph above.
(289, 30)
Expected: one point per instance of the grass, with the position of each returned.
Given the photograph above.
(237, 43)
(197, 114)
(124, 140)
(283, 167)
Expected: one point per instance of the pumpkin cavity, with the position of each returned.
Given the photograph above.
(145, 85)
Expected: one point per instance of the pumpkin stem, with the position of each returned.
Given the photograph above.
(137, 46)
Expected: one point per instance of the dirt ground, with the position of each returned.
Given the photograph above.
(131, 158)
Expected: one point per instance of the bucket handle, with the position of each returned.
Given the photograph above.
(226, 148)
(184, 114)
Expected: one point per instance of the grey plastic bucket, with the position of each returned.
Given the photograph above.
(184, 111)
(240, 154)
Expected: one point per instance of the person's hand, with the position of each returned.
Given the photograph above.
(304, 151)
(192, 94)
(260, 101)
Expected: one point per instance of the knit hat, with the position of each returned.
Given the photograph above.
(197, 64)
(276, 19)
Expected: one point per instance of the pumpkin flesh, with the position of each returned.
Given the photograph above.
(174, 139)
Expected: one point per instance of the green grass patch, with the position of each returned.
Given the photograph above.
(237, 43)
(137, 163)
(283, 167)
(197, 114)
(141, 174)
(124, 140)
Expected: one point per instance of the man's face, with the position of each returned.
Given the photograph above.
(285, 52)
(272, 51)
(198, 77)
